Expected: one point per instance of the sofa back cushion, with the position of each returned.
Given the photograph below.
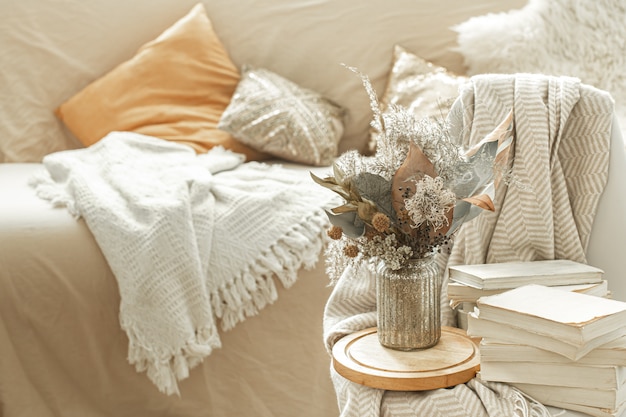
(53, 49)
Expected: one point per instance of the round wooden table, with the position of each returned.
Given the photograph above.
(361, 358)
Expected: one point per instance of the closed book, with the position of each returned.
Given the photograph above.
(602, 398)
(589, 411)
(495, 331)
(611, 354)
(515, 274)
(556, 374)
(569, 316)
(458, 292)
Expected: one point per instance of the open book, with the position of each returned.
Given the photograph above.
(491, 330)
(515, 274)
(568, 316)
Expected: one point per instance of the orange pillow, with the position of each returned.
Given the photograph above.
(176, 88)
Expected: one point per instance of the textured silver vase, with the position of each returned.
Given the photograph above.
(409, 313)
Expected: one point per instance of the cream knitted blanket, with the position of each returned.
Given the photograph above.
(191, 239)
(562, 137)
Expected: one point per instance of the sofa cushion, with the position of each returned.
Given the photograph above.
(52, 52)
(426, 89)
(175, 88)
(558, 37)
(274, 115)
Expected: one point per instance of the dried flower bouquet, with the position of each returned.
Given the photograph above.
(412, 195)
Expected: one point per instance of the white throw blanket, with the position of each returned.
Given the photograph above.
(190, 238)
(560, 171)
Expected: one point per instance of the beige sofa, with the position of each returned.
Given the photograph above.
(62, 352)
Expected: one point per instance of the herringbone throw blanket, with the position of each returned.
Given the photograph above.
(562, 132)
(191, 239)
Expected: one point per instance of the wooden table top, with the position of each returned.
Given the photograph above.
(361, 358)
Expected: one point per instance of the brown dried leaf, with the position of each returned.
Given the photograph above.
(505, 147)
(499, 134)
(483, 201)
(366, 210)
(414, 167)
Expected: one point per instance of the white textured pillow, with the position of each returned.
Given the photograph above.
(274, 115)
(578, 38)
(428, 90)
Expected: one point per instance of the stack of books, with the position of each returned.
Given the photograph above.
(467, 283)
(563, 348)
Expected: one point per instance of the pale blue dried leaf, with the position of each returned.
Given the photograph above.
(476, 174)
(349, 222)
(465, 211)
(377, 189)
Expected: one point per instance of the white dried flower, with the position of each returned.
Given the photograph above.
(387, 249)
(430, 203)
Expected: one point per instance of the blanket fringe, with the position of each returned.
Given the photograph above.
(527, 406)
(165, 369)
(47, 189)
(246, 295)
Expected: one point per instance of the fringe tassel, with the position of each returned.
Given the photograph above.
(55, 193)
(165, 369)
(528, 406)
(255, 288)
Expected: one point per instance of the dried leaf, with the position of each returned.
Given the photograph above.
(351, 225)
(462, 212)
(377, 189)
(504, 150)
(416, 164)
(414, 167)
(366, 210)
(344, 208)
(487, 161)
(331, 184)
(338, 174)
(499, 134)
(483, 201)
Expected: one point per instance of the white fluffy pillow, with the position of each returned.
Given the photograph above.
(580, 38)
